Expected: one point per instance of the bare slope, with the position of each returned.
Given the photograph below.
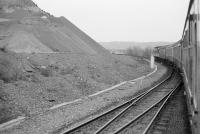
(57, 34)
(48, 60)
(16, 3)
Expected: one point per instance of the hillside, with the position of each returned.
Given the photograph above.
(27, 24)
(46, 60)
(125, 45)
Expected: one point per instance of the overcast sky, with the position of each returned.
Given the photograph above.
(123, 20)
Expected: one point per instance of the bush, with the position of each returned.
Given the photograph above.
(68, 70)
(147, 53)
(9, 70)
(46, 72)
(135, 51)
(84, 86)
(139, 52)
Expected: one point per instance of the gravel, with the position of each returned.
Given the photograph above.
(57, 120)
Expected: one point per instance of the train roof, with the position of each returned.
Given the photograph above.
(169, 46)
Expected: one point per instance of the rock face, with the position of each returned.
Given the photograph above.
(43, 30)
(46, 60)
(17, 3)
(20, 40)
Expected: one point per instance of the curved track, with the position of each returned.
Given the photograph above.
(133, 116)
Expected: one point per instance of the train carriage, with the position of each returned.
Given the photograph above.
(162, 52)
(177, 55)
(169, 53)
(186, 55)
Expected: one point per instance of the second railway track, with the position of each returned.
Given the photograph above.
(135, 115)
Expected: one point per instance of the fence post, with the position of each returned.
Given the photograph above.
(152, 62)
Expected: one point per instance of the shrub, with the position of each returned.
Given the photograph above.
(9, 70)
(147, 53)
(139, 52)
(82, 83)
(68, 70)
(46, 72)
(135, 51)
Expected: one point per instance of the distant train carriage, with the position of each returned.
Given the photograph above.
(162, 52)
(169, 53)
(177, 54)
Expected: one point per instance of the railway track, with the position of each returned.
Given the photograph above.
(134, 116)
(172, 119)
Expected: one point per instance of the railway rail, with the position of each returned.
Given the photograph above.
(172, 118)
(136, 109)
(134, 116)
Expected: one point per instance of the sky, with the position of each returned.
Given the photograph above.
(123, 20)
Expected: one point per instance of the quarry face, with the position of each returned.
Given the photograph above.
(47, 60)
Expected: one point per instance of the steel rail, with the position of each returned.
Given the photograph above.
(121, 105)
(103, 114)
(132, 104)
(165, 98)
(159, 111)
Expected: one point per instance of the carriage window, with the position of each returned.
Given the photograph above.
(185, 41)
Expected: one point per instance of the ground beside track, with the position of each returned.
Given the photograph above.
(54, 121)
(174, 116)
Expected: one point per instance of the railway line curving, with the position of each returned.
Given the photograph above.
(140, 111)
(106, 90)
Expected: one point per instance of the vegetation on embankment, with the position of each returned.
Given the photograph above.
(140, 52)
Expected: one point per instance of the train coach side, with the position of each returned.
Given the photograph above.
(182, 58)
(190, 43)
(177, 55)
(161, 52)
(186, 55)
(169, 53)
